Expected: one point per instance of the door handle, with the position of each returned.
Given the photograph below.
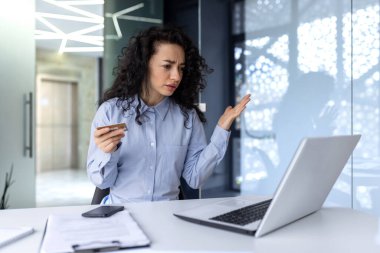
(28, 124)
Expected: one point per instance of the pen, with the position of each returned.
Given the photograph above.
(86, 249)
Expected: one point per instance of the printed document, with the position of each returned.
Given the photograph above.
(68, 233)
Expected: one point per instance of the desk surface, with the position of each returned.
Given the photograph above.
(328, 230)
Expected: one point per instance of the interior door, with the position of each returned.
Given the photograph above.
(56, 125)
(17, 72)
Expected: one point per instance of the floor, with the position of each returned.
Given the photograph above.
(63, 188)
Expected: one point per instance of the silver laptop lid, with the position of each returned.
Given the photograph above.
(308, 180)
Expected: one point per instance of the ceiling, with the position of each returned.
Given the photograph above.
(76, 26)
(70, 26)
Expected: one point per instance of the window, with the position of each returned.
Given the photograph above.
(312, 68)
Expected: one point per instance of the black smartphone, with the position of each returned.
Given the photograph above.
(103, 211)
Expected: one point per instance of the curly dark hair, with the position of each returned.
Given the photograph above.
(132, 70)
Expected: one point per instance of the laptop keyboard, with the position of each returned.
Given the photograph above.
(245, 215)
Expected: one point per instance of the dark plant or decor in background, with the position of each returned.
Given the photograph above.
(8, 182)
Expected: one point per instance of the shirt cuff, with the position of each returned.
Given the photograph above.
(220, 137)
(107, 159)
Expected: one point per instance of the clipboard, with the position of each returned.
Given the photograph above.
(76, 234)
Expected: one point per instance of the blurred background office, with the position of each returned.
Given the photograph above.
(312, 67)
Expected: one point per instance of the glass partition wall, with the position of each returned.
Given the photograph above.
(312, 68)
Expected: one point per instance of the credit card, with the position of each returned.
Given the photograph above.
(115, 127)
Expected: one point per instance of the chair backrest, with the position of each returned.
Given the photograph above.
(99, 194)
(185, 192)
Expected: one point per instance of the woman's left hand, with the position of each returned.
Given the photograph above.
(231, 113)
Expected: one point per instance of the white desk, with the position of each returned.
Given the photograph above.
(329, 230)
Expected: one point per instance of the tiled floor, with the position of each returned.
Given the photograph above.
(63, 188)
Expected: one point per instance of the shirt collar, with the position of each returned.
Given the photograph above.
(161, 108)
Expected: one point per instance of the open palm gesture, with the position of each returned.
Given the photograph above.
(231, 113)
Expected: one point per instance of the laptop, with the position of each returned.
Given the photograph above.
(311, 174)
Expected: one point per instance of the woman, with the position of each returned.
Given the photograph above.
(158, 78)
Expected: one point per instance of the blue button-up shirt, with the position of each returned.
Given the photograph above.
(148, 164)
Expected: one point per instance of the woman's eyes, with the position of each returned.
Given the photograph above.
(168, 67)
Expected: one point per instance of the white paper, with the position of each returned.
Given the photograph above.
(64, 231)
(10, 234)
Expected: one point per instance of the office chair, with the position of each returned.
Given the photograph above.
(185, 192)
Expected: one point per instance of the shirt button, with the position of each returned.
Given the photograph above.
(149, 192)
(151, 167)
(152, 144)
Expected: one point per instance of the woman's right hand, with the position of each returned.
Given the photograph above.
(107, 139)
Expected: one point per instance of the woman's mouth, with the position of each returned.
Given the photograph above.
(171, 87)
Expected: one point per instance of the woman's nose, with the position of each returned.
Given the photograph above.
(175, 75)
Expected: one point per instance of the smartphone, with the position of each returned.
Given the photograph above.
(115, 127)
(103, 211)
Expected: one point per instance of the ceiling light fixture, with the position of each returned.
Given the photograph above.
(79, 11)
(83, 2)
(120, 15)
(70, 18)
(92, 22)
